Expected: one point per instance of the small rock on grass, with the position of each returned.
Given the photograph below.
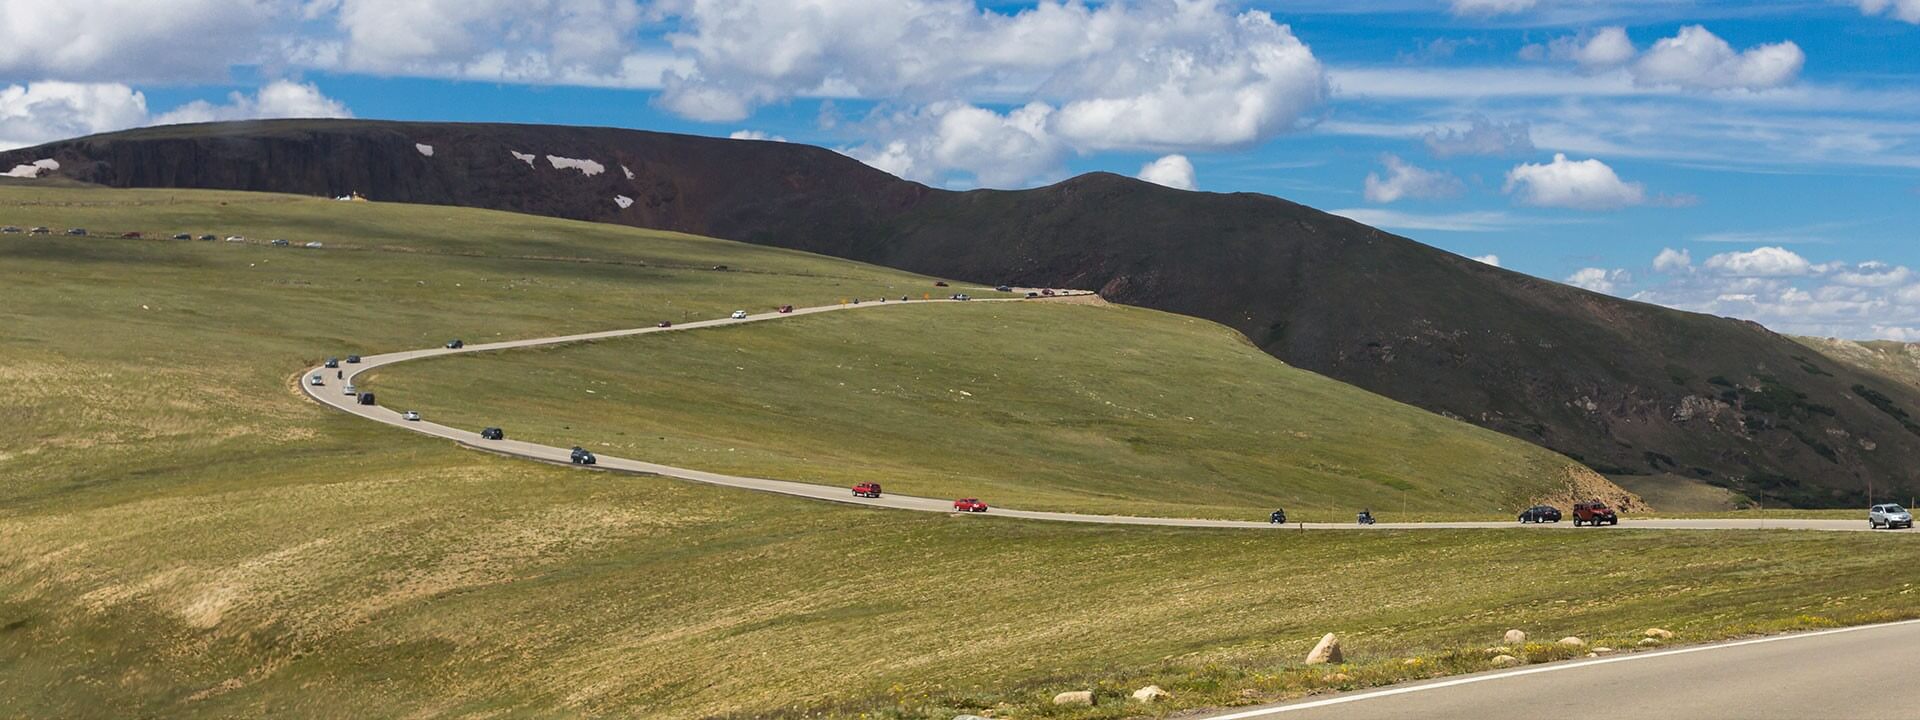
(1648, 642)
(1571, 641)
(1074, 697)
(1602, 650)
(1504, 661)
(1328, 651)
(1151, 693)
(1660, 634)
(1516, 637)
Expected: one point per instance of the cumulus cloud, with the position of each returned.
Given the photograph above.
(1493, 260)
(1481, 136)
(1904, 10)
(1600, 280)
(1579, 184)
(1603, 48)
(279, 99)
(507, 39)
(1760, 263)
(1698, 59)
(1403, 180)
(985, 147)
(131, 40)
(1492, 7)
(1173, 171)
(755, 135)
(1672, 261)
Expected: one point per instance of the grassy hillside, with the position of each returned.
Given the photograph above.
(1034, 405)
(182, 536)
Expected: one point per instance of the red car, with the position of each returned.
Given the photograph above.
(867, 490)
(665, 323)
(1594, 513)
(130, 236)
(789, 308)
(969, 505)
(1048, 293)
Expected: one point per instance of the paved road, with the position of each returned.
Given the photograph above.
(1858, 672)
(332, 393)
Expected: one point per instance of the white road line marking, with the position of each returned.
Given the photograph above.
(1456, 682)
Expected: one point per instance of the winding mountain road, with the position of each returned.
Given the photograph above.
(332, 394)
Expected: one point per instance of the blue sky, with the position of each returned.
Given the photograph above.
(1753, 159)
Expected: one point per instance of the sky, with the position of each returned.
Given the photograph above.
(1758, 160)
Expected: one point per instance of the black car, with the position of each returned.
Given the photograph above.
(182, 236)
(1004, 288)
(1540, 514)
(493, 434)
(1279, 517)
(207, 237)
(455, 344)
(582, 457)
(366, 398)
(333, 362)
(353, 359)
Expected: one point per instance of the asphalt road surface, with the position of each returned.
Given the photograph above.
(332, 393)
(1859, 672)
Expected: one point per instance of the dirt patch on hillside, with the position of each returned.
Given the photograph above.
(1583, 485)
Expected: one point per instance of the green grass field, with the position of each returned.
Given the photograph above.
(182, 535)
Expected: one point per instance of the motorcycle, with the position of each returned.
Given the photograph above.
(1364, 518)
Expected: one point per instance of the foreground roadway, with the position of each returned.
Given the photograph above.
(1859, 672)
(332, 394)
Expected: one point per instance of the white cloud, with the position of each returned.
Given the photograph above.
(1672, 261)
(989, 148)
(1173, 171)
(278, 99)
(1472, 221)
(1404, 180)
(1481, 136)
(754, 135)
(1580, 184)
(1606, 47)
(1492, 7)
(1905, 10)
(1600, 280)
(131, 40)
(1874, 274)
(1493, 260)
(1697, 59)
(502, 39)
(44, 111)
(1760, 263)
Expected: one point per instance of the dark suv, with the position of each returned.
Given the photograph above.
(582, 457)
(1594, 513)
(455, 344)
(1540, 514)
(493, 433)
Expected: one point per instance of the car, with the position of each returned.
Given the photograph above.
(351, 390)
(1004, 288)
(455, 344)
(960, 296)
(1278, 517)
(208, 238)
(867, 490)
(182, 236)
(1594, 513)
(10, 230)
(665, 324)
(41, 230)
(77, 232)
(130, 236)
(311, 245)
(1033, 294)
(410, 416)
(353, 359)
(582, 456)
(493, 433)
(333, 362)
(1046, 292)
(939, 283)
(969, 505)
(315, 379)
(1889, 516)
(719, 267)
(366, 398)
(236, 238)
(739, 315)
(279, 243)
(1540, 514)
(789, 308)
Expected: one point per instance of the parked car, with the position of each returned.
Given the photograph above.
(1278, 517)
(1594, 513)
(77, 232)
(867, 490)
(493, 433)
(959, 296)
(739, 315)
(182, 236)
(366, 398)
(1033, 294)
(665, 324)
(353, 359)
(208, 238)
(41, 230)
(311, 245)
(719, 267)
(1004, 288)
(236, 239)
(410, 415)
(789, 308)
(10, 230)
(333, 362)
(315, 379)
(1540, 514)
(581, 456)
(351, 390)
(279, 243)
(1889, 516)
(1046, 292)
(130, 236)
(455, 344)
(969, 505)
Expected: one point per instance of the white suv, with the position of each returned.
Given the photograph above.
(739, 315)
(1889, 516)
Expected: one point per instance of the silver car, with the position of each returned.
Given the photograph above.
(315, 379)
(351, 390)
(1889, 516)
(410, 415)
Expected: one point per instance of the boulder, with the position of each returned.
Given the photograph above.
(1328, 651)
(1516, 637)
(1659, 634)
(1504, 661)
(1602, 650)
(1151, 693)
(1573, 642)
(1075, 697)
(1649, 642)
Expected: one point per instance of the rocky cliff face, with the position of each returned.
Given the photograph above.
(1624, 387)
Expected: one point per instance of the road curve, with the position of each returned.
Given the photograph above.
(1864, 671)
(332, 394)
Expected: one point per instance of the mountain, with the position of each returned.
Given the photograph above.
(1625, 387)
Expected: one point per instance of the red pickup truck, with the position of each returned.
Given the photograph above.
(1594, 513)
(867, 490)
(969, 505)
(789, 308)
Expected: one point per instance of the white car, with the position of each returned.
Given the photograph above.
(351, 390)
(315, 379)
(409, 415)
(739, 315)
(312, 246)
(1889, 516)
(235, 238)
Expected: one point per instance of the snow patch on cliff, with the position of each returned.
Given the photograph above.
(586, 167)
